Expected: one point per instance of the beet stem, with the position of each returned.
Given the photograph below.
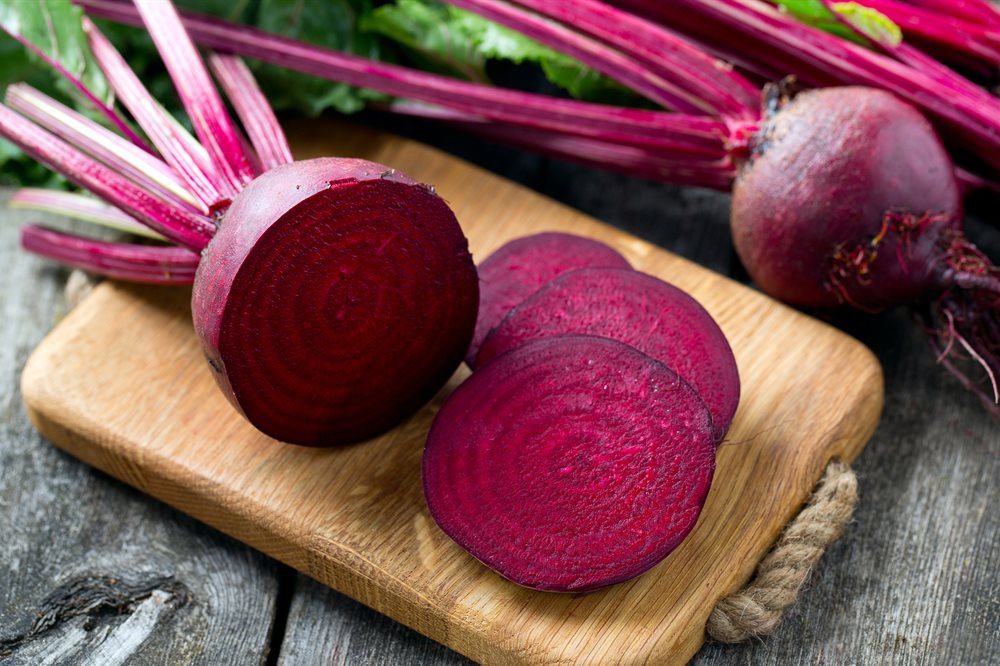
(610, 61)
(107, 111)
(143, 168)
(176, 145)
(712, 172)
(639, 127)
(179, 225)
(251, 106)
(79, 207)
(667, 54)
(137, 263)
(211, 121)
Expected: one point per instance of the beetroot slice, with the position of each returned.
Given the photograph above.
(337, 297)
(570, 463)
(656, 318)
(523, 266)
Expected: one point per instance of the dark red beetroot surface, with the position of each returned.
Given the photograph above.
(523, 266)
(570, 463)
(810, 208)
(337, 297)
(656, 318)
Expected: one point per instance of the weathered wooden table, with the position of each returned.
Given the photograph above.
(914, 580)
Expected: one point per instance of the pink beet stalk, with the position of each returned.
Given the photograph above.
(671, 89)
(715, 172)
(654, 130)
(251, 106)
(181, 226)
(79, 207)
(107, 111)
(173, 142)
(208, 115)
(716, 89)
(145, 169)
(125, 261)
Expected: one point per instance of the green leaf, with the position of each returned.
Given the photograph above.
(873, 24)
(331, 23)
(861, 21)
(427, 30)
(54, 26)
(461, 42)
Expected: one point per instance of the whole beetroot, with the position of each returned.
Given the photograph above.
(850, 198)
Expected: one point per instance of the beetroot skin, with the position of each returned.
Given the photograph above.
(833, 171)
(337, 297)
(656, 318)
(522, 266)
(850, 198)
(570, 463)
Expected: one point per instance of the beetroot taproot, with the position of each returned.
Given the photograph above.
(653, 316)
(570, 463)
(522, 266)
(320, 267)
(850, 198)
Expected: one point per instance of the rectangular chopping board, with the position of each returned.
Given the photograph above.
(121, 383)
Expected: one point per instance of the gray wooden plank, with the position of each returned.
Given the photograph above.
(326, 628)
(121, 578)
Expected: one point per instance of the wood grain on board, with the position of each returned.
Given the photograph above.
(121, 384)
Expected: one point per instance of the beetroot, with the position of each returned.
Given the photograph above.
(839, 161)
(850, 198)
(522, 266)
(327, 264)
(332, 297)
(570, 463)
(656, 318)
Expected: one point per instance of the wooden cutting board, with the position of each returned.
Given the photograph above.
(122, 385)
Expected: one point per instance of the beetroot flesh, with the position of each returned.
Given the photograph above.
(851, 199)
(639, 310)
(570, 463)
(522, 266)
(337, 297)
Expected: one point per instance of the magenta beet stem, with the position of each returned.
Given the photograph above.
(670, 56)
(251, 106)
(108, 112)
(211, 121)
(650, 129)
(671, 91)
(125, 261)
(178, 225)
(779, 41)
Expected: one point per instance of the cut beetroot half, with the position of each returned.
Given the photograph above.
(341, 301)
(656, 318)
(523, 266)
(570, 463)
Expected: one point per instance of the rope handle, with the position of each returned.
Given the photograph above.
(756, 610)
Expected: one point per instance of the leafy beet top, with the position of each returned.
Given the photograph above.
(570, 463)
(656, 318)
(522, 266)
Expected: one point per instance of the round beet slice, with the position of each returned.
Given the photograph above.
(656, 318)
(337, 297)
(522, 266)
(570, 463)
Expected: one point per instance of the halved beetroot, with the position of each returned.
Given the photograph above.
(524, 265)
(656, 318)
(570, 463)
